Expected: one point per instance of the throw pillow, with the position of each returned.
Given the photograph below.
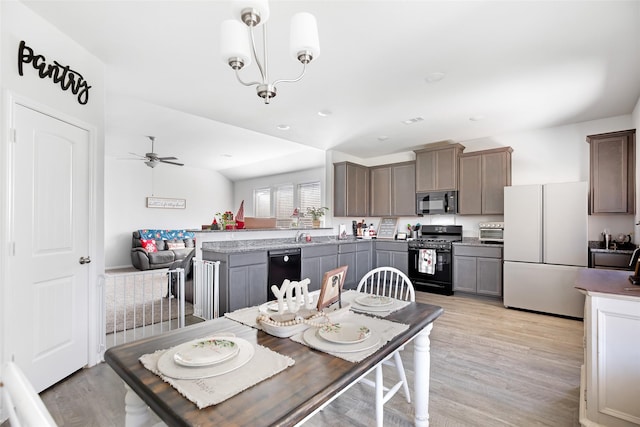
(149, 245)
(175, 245)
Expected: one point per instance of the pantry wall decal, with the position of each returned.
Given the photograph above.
(62, 74)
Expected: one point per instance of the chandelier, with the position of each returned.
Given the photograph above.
(238, 43)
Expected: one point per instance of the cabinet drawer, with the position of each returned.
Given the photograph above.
(392, 246)
(478, 251)
(611, 260)
(249, 258)
(346, 248)
(316, 251)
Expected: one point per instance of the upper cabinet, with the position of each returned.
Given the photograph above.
(483, 176)
(393, 189)
(612, 172)
(350, 189)
(437, 167)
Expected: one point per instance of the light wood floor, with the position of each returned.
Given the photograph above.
(490, 366)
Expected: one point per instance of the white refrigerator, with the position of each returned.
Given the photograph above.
(545, 245)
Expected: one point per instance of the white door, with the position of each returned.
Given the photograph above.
(48, 285)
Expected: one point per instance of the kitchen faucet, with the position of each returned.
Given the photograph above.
(299, 235)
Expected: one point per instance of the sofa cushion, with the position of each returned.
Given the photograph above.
(175, 245)
(189, 243)
(161, 257)
(182, 253)
(149, 245)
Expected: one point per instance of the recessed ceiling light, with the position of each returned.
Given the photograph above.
(412, 121)
(383, 138)
(325, 113)
(434, 77)
(476, 118)
(284, 127)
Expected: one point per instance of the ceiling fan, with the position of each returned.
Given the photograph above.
(152, 160)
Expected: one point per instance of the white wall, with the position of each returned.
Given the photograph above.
(129, 183)
(557, 154)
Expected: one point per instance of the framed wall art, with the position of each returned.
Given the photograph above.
(165, 203)
(331, 288)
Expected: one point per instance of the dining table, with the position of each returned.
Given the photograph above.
(288, 398)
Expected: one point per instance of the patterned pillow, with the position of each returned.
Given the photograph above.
(175, 245)
(149, 245)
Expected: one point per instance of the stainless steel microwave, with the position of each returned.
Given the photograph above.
(437, 203)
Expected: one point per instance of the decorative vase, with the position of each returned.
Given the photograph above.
(316, 223)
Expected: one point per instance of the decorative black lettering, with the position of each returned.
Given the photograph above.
(63, 75)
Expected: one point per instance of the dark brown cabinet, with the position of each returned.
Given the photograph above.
(483, 176)
(393, 189)
(612, 172)
(350, 189)
(610, 260)
(437, 167)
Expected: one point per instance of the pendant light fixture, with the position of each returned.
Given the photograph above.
(238, 43)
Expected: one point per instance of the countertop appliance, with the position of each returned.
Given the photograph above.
(437, 203)
(430, 260)
(283, 264)
(545, 245)
(491, 232)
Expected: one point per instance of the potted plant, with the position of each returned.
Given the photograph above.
(316, 215)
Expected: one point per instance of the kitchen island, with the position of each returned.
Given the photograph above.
(610, 377)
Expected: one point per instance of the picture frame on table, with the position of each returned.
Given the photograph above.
(332, 283)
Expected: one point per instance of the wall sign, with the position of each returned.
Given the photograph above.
(160, 202)
(62, 74)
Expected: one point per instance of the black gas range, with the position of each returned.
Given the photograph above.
(430, 260)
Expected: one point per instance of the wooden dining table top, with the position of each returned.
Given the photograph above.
(282, 400)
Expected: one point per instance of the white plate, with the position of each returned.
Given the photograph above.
(312, 339)
(374, 300)
(168, 367)
(274, 306)
(371, 309)
(206, 351)
(344, 333)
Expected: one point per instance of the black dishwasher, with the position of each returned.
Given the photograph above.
(283, 264)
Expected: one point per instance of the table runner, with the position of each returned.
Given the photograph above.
(385, 329)
(247, 316)
(204, 392)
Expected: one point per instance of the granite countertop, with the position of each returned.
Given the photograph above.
(236, 246)
(474, 241)
(615, 282)
(598, 246)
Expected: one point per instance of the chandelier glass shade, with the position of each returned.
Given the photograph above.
(238, 43)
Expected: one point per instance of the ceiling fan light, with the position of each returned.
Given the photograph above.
(304, 41)
(234, 44)
(151, 163)
(251, 12)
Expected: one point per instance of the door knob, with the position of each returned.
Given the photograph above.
(84, 260)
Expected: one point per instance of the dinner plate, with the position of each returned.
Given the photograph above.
(312, 339)
(167, 366)
(207, 351)
(374, 300)
(344, 333)
(274, 306)
(372, 309)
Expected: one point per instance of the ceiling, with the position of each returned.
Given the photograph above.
(511, 66)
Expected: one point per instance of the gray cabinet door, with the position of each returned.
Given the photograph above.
(464, 273)
(403, 191)
(363, 264)
(247, 286)
(399, 260)
(612, 172)
(350, 189)
(381, 191)
(470, 192)
(489, 276)
(317, 260)
(496, 174)
(437, 168)
(349, 259)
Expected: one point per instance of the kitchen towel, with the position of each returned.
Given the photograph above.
(204, 392)
(426, 261)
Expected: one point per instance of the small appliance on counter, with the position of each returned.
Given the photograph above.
(491, 232)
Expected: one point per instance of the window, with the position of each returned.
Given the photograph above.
(284, 205)
(309, 196)
(262, 202)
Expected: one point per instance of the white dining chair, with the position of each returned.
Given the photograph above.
(391, 282)
(23, 404)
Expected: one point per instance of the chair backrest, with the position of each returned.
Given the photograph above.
(24, 406)
(387, 281)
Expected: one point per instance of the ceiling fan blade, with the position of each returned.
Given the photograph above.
(137, 155)
(167, 158)
(171, 163)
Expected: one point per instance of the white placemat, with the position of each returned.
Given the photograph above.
(384, 329)
(246, 316)
(210, 391)
(351, 296)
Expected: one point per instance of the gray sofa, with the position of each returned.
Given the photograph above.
(175, 249)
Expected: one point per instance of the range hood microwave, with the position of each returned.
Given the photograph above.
(437, 203)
